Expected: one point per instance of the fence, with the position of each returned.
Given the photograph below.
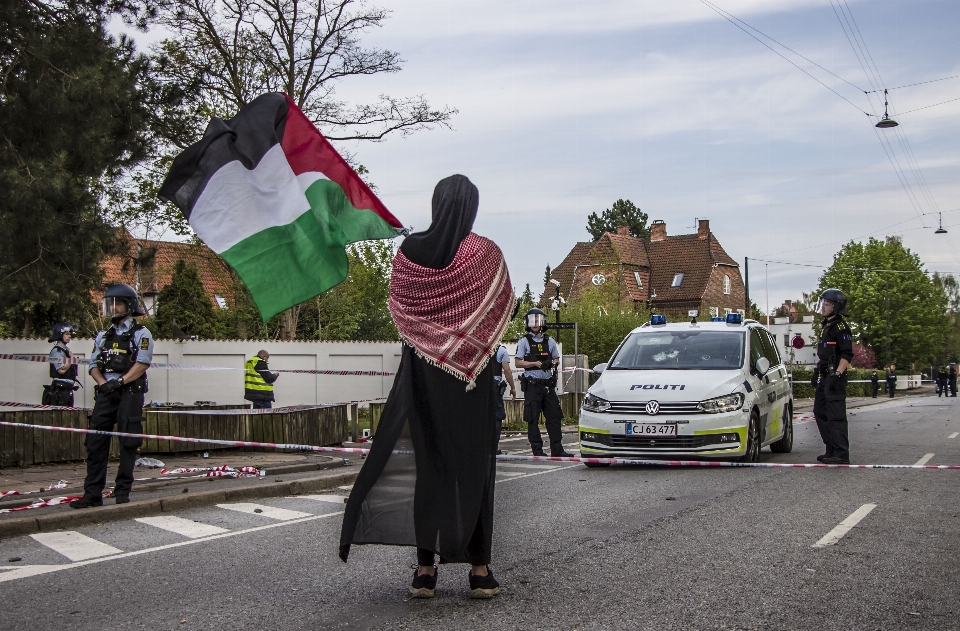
(569, 403)
(20, 446)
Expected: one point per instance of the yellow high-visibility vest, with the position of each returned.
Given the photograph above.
(252, 379)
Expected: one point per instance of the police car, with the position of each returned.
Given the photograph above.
(715, 389)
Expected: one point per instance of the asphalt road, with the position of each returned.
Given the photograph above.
(575, 548)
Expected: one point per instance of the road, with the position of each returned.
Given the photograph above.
(575, 548)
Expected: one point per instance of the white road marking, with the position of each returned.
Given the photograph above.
(954, 435)
(923, 460)
(844, 527)
(25, 571)
(281, 514)
(74, 546)
(333, 499)
(528, 475)
(186, 527)
(519, 465)
(349, 487)
(509, 474)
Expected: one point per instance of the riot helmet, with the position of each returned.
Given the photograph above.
(121, 294)
(835, 299)
(534, 317)
(59, 329)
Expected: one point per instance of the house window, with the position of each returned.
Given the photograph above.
(727, 312)
(636, 277)
(714, 312)
(726, 284)
(677, 279)
(221, 301)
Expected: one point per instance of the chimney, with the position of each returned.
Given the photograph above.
(624, 230)
(703, 228)
(658, 230)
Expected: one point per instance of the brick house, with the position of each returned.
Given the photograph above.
(147, 266)
(673, 273)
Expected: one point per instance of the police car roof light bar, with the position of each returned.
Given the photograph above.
(734, 318)
(658, 319)
(717, 319)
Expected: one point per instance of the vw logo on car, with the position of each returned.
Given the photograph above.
(652, 407)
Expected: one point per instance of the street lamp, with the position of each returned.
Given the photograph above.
(886, 122)
(940, 230)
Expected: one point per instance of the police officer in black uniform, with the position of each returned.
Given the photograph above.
(834, 354)
(121, 356)
(538, 355)
(63, 373)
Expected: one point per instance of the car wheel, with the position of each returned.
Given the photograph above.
(785, 444)
(753, 439)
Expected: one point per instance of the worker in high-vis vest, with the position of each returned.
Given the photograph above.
(258, 381)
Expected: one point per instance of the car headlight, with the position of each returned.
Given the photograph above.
(726, 403)
(593, 403)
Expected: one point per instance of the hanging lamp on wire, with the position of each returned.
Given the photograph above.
(886, 122)
(940, 230)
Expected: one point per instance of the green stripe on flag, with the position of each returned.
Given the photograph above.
(285, 265)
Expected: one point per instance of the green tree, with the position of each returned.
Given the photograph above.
(896, 309)
(603, 320)
(517, 327)
(948, 284)
(75, 111)
(185, 302)
(622, 213)
(546, 275)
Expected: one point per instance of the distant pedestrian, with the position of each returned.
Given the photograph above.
(891, 379)
(504, 378)
(942, 381)
(62, 372)
(952, 378)
(875, 383)
(258, 381)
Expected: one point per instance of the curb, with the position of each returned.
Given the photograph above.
(114, 512)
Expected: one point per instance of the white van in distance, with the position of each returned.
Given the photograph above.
(693, 390)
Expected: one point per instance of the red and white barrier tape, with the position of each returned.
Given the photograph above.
(280, 410)
(53, 501)
(222, 471)
(354, 450)
(85, 362)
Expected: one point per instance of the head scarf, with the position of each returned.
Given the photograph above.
(455, 204)
(450, 291)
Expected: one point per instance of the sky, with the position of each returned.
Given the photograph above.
(565, 107)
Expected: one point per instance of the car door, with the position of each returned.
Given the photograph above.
(766, 392)
(781, 387)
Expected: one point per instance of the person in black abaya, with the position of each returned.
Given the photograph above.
(428, 481)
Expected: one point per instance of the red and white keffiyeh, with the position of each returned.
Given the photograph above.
(454, 317)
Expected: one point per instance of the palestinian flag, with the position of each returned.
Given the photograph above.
(267, 192)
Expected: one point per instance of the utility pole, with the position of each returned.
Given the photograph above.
(886, 334)
(766, 273)
(746, 287)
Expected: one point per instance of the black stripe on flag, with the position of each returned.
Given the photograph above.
(245, 138)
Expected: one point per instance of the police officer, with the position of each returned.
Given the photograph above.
(121, 356)
(952, 379)
(834, 354)
(258, 381)
(875, 383)
(62, 372)
(942, 380)
(503, 376)
(538, 355)
(891, 379)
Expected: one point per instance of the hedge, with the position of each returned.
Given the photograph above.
(803, 390)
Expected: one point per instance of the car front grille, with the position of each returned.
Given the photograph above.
(659, 442)
(666, 407)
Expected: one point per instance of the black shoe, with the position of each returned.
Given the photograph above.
(539, 452)
(122, 499)
(821, 457)
(483, 586)
(835, 460)
(86, 502)
(424, 585)
(563, 454)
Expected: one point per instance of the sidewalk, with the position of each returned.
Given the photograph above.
(806, 405)
(286, 474)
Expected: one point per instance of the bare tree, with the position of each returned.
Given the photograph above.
(235, 50)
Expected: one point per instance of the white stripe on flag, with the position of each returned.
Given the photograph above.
(238, 202)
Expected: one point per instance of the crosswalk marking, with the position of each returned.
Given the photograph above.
(181, 526)
(844, 527)
(333, 499)
(74, 546)
(953, 435)
(923, 460)
(280, 514)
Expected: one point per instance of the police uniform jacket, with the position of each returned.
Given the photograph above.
(140, 346)
(836, 343)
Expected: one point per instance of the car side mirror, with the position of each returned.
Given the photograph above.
(763, 366)
(599, 368)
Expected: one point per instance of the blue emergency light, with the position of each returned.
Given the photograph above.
(717, 319)
(734, 318)
(658, 319)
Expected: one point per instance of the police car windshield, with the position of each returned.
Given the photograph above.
(680, 350)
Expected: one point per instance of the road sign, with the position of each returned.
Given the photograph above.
(560, 325)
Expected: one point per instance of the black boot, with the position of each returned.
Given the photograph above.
(86, 502)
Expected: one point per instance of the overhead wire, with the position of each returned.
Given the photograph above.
(910, 85)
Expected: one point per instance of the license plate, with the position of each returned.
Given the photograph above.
(651, 429)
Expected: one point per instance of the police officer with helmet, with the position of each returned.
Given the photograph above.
(538, 355)
(834, 354)
(121, 356)
(62, 372)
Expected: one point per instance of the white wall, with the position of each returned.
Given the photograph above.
(23, 381)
